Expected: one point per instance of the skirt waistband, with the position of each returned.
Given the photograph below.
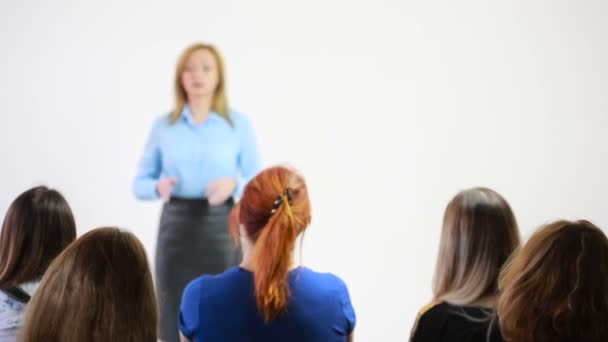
(197, 201)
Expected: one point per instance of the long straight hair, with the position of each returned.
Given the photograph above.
(479, 235)
(99, 289)
(274, 210)
(38, 225)
(220, 101)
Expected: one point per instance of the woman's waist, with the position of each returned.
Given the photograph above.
(185, 201)
(188, 187)
(189, 213)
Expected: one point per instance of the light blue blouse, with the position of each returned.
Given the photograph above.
(197, 154)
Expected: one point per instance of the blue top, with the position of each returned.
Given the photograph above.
(197, 154)
(223, 308)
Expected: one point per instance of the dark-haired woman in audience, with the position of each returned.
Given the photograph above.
(267, 298)
(479, 235)
(38, 225)
(556, 288)
(98, 290)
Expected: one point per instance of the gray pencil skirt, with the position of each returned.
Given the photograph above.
(193, 239)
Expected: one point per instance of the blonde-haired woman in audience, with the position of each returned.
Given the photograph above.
(556, 288)
(479, 234)
(38, 225)
(98, 290)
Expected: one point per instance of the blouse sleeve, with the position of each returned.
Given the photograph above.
(249, 161)
(149, 168)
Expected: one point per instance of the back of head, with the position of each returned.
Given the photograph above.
(99, 289)
(556, 288)
(274, 210)
(38, 225)
(479, 234)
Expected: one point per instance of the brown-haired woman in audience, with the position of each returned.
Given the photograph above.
(556, 288)
(98, 290)
(479, 235)
(38, 225)
(266, 298)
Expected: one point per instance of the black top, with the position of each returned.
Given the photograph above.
(17, 294)
(451, 323)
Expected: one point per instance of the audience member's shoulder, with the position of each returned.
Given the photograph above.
(459, 323)
(432, 310)
(327, 281)
(211, 285)
(438, 310)
(426, 322)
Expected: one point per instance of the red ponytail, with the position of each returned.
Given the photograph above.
(274, 233)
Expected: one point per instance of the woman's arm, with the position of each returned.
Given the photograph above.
(250, 162)
(149, 169)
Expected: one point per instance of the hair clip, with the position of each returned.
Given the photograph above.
(277, 202)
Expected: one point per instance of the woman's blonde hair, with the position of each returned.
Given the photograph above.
(98, 289)
(479, 235)
(220, 102)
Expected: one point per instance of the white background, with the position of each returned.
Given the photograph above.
(387, 107)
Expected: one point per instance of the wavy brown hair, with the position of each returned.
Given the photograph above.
(99, 289)
(275, 233)
(556, 288)
(479, 235)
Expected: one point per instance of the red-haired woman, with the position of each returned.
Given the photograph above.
(266, 298)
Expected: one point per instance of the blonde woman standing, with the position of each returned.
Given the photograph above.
(197, 159)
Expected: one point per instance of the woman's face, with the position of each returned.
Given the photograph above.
(200, 76)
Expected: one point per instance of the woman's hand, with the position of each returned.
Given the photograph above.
(220, 190)
(165, 186)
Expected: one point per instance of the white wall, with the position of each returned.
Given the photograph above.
(388, 107)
